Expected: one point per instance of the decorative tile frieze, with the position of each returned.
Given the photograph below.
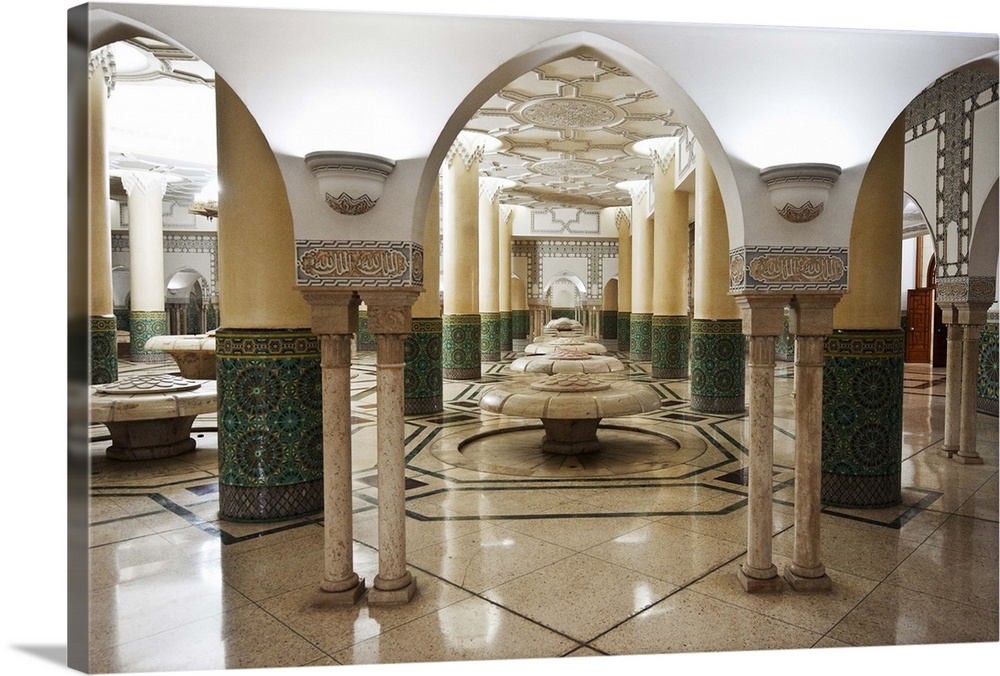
(760, 268)
(358, 263)
(965, 289)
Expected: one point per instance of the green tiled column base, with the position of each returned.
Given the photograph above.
(717, 365)
(671, 346)
(609, 324)
(103, 349)
(862, 418)
(143, 325)
(520, 323)
(121, 318)
(563, 312)
(624, 339)
(270, 413)
(460, 347)
(640, 333)
(489, 336)
(365, 340)
(986, 384)
(506, 335)
(423, 387)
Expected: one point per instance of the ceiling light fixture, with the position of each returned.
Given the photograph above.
(798, 192)
(350, 183)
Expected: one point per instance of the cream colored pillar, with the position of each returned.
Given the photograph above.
(717, 346)
(641, 316)
(460, 329)
(489, 268)
(265, 350)
(389, 317)
(147, 317)
(424, 385)
(763, 321)
(810, 321)
(103, 325)
(671, 326)
(506, 319)
(624, 283)
(972, 316)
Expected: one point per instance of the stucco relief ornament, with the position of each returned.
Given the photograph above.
(798, 192)
(350, 183)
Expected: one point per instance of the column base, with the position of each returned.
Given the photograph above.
(758, 585)
(807, 584)
(669, 374)
(463, 373)
(384, 597)
(967, 459)
(948, 452)
(340, 597)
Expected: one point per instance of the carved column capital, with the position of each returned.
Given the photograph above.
(333, 311)
(389, 311)
(146, 182)
(763, 313)
(812, 314)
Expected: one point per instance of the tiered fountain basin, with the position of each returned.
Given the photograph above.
(194, 354)
(570, 406)
(150, 416)
(566, 344)
(566, 361)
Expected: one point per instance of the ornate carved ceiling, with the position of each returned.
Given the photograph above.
(567, 127)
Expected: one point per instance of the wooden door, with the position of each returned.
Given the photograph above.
(919, 322)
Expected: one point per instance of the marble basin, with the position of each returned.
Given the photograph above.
(570, 406)
(567, 344)
(194, 354)
(567, 361)
(150, 416)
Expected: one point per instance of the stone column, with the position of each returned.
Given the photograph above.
(520, 320)
(624, 284)
(424, 390)
(506, 248)
(863, 369)
(671, 326)
(389, 315)
(268, 361)
(953, 381)
(460, 326)
(641, 317)
(609, 315)
(763, 321)
(334, 319)
(489, 268)
(811, 320)
(972, 316)
(717, 343)
(103, 325)
(148, 316)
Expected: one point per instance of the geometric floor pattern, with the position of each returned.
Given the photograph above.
(518, 555)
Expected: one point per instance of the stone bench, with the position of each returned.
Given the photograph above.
(194, 354)
(150, 417)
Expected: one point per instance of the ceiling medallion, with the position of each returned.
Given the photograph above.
(570, 113)
(566, 168)
(350, 183)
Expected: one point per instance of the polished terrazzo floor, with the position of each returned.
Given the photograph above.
(524, 556)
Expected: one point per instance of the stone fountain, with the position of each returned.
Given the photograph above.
(566, 361)
(570, 406)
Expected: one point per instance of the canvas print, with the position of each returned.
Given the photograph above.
(428, 339)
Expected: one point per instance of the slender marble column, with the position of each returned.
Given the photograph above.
(506, 236)
(641, 317)
(389, 317)
(967, 453)
(953, 384)
(811, 320)
(103, 325)
(148, 316)
(334, 320)
(763, 320)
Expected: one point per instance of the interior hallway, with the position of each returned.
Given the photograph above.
(517, 558)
